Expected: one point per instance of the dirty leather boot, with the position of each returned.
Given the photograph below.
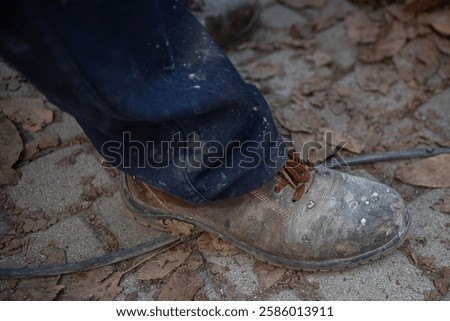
(304, 218)
(226, 21)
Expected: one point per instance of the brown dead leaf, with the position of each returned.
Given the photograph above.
(319, 59)
(6, 288)
(418, 60)
(318, 99)
(418, 30)
(399, 12)
(94, 285)
(14, 245)
(162, 264)
(375, 77)
(444, 69)
(342, 90)
(391, 39)
(211, 245)
(195, 260)
(10, 148)
(263, 70)
(425, 263)
(90, 192)
(417, 6)
(325, 21)
(314, 84)
(31, 113)
(338, 99)
(431, 172)
(182, 285)
(314, 90)
(439, 20)
(304, 120)
(442, 285)
(300, 4)
(36, 221)
(347, 142)
(268, 274)
(41, 142)
(54, 255)
(37, 289)
(361, 29)
(176, 227)
(432, 295)
(442, 206)
(442, 43)
(442, 282)
(216, 270)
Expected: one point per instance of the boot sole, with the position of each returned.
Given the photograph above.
(146, 217)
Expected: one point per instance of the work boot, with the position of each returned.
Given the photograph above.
(226, 21)
(304, 218)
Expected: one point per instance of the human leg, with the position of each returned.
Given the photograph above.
(151, 90)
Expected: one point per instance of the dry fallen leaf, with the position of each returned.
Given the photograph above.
(41, 142)
(419, 60)
(176, 227)
(36, 221)
(31, 113)
(375, 77)
(90, 192)
(399, 12)
(444, 68)
(390, 40)
(439, 21)
(431, 172)
(325, 21)
(417, 6)
(10, 148)
(442, 43)
(414, 31)
(54, 255)
(347, 142)
(182, 285)
(442, 206)
(195, 260)
(98, 284)
(268, 274)
(211, 245)
(318, 99)
(37, 289)
(162, 264)
(442, 283)
(6, 288)
(263, 70)
(361, 29)
(319, 59)
(314, 84)
(11, 245)
(304, 120)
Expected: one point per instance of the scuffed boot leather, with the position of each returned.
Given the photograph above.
(304, 219)
(226, 21)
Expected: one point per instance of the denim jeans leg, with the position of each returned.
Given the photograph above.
(153, 92)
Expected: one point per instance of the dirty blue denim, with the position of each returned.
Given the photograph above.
(156, 96)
